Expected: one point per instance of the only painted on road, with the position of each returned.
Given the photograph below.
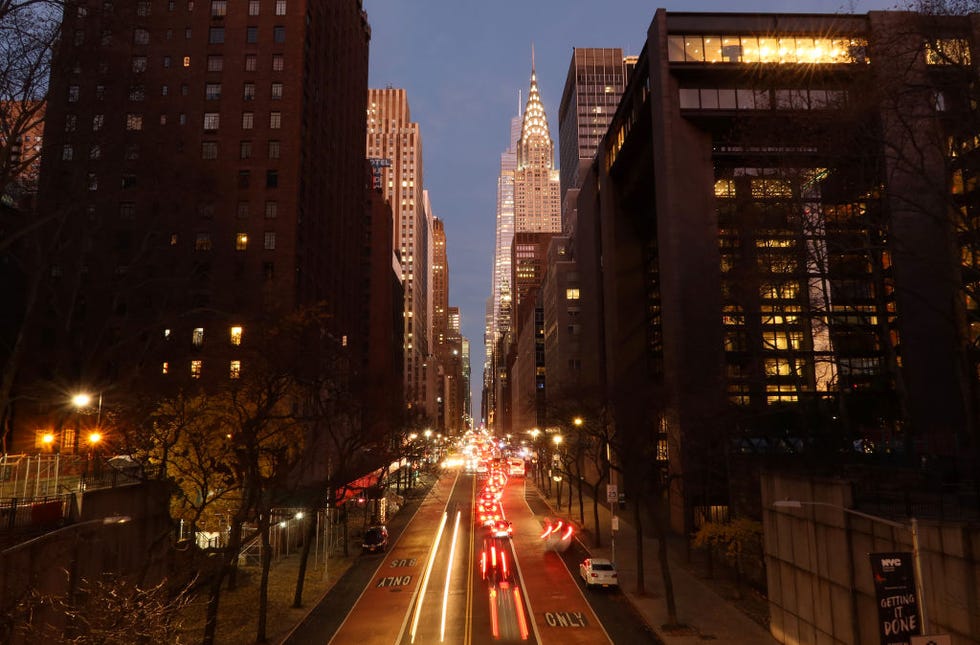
(394, 581)
(565, 619)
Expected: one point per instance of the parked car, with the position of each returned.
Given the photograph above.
(598, 572)
(375, 539)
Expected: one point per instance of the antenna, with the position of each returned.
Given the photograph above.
(532, 59)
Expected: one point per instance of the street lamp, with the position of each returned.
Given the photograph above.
(912, 527)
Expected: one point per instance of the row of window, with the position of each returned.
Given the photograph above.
(216, 35)
(203, 241)
(235, 335)
(212, 92)
(212, 121)
(197, 366)
(765, 49)
(752, 99)
(219, 8)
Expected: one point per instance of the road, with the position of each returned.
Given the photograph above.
(445, 579)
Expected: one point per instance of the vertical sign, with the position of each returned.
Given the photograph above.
(898, 607)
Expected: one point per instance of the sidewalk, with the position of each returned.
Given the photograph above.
(704, 614)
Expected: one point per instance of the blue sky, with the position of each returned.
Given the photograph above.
(463, 63)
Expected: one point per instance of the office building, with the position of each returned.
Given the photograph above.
(776, 220)
(394, 137)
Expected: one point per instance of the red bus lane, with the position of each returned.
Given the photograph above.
(560, 613)
(379, 614)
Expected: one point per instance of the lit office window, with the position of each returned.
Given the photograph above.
(235, 369)
(197, 337)
(572, 293)
(236, 335)
(196, 369)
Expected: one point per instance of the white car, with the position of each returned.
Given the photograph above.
(598, 572)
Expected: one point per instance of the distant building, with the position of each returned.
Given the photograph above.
(536, 209)
(393, 136)
(776, 224)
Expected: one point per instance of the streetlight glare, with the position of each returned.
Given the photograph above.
(558, 439)
(578, 421)
(95, 438)
(81, 400)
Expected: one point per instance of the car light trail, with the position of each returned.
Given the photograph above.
(425, 576)
(568, 533)
(521, 619)
(449, 573)
(494, 624)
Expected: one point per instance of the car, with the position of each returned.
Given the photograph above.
(375, 539)
(502, 529)
(598, 572)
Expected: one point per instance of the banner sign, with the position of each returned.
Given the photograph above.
(898, 607)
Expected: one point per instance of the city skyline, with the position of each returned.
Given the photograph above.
(465, 89)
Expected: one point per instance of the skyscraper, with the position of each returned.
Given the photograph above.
(393, 136)
(537, 209)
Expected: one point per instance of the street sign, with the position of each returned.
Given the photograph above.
(612, 493)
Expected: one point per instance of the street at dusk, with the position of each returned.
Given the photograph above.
(385, 322)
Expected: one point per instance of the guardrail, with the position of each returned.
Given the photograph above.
(38, 512)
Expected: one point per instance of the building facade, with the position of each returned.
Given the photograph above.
(776, 275)
(392, 135)
(201, 182)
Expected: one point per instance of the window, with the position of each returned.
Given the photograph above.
(100, 92)
(141, 37)
(219, 8)
(278, 62)
(236, 335)
(209, 150)
(271, 210)
(79, 38)
(182, 118)
(67, 152)
(196, 369)
(253, 7)
(269, 271)
(572, 293)
(276, 91)
(280, 7)
(164, 90)
(235, 369)
(269, 243)
(248, 120)
(273, 150)
(187, 61)
(165, 368)
(137, 93)
(243, 178)
(143, 8)
(197, 337)
(166, 62)
(279, 34)
(216, 35)
(271, 178)
(139, 63)
(133, 149)
(211, 121)
(212, 91)
(72, 93)
(275, 120)
(241, 242)
(95, 151)
(71, 122)
(134, 122)
(242, 211)
(249, 92)
(202, 242)
(97, 121)
(215, 63)
(245, 150)
(127, 210)
(251, 35)
(93, 181)
(128, 181)
(251, 62)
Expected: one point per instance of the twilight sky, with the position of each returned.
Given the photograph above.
(463, 63)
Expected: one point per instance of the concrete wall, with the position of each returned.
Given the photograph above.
(54, 563)
(819, 572)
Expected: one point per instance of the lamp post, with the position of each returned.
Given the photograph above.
(557, 440)
(912, 527)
